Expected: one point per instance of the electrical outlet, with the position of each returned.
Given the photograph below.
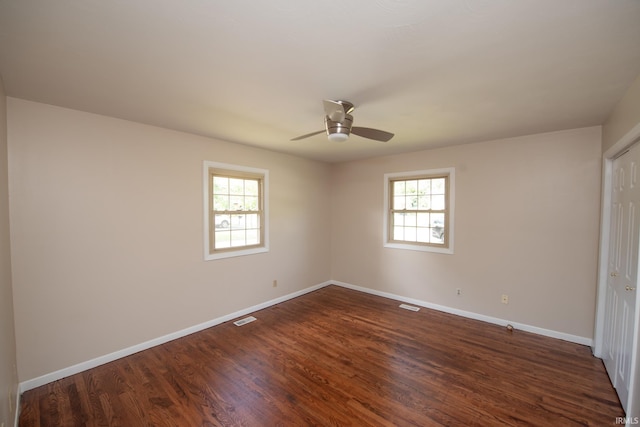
(275, 283)
(505, 299)
(458, 291)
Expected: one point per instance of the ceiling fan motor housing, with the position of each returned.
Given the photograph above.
(340, 130)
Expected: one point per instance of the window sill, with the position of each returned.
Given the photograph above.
(237, 253)
(419, 248)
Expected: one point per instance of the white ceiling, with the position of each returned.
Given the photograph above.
(434, 72)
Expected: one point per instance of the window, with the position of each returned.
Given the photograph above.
(419, 210)
(235, 203)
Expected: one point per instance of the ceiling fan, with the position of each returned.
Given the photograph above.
(338, 123)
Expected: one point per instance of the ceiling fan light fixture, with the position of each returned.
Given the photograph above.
(338, 137)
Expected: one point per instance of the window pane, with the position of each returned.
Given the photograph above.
(437, 186)
(237, 222)
(399, 202)
(236, 203)
(423, 220)
(238, 238)
(253, 237)
(437, 228)
(236, 186)
(424, 186)
(410, 234)
(252, 221)
(398, 219)
(398, 233)
(411, 187)
(220, 202)
(410, 219)
(398, 188)
(220, 185)
(222, 221)
(423, 235)
(223, 239)
(437, 220)
(424, 202)
(251, 203)
(437, 236)
(251, 187)
(412, 202)
(437, 203)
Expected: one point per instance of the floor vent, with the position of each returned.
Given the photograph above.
(409, 307)
(244, 321)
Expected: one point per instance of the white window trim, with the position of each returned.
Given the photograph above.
(265, 203)
(422, 248)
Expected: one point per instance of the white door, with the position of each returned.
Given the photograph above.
(623, 272)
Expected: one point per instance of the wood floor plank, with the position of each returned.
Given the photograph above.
(338, 357)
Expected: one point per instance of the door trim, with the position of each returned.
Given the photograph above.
(630, 138)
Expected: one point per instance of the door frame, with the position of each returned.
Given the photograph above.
(619, 148)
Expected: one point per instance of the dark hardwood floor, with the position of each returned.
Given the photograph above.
(337, 357)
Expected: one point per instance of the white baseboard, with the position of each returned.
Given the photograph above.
(72, 370)
(471, 315)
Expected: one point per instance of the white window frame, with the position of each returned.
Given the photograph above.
(387, 243)
(241, 251)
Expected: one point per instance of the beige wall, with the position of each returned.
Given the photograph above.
(624, 117)
(107, 234)
(526, 225)
(8, 370)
